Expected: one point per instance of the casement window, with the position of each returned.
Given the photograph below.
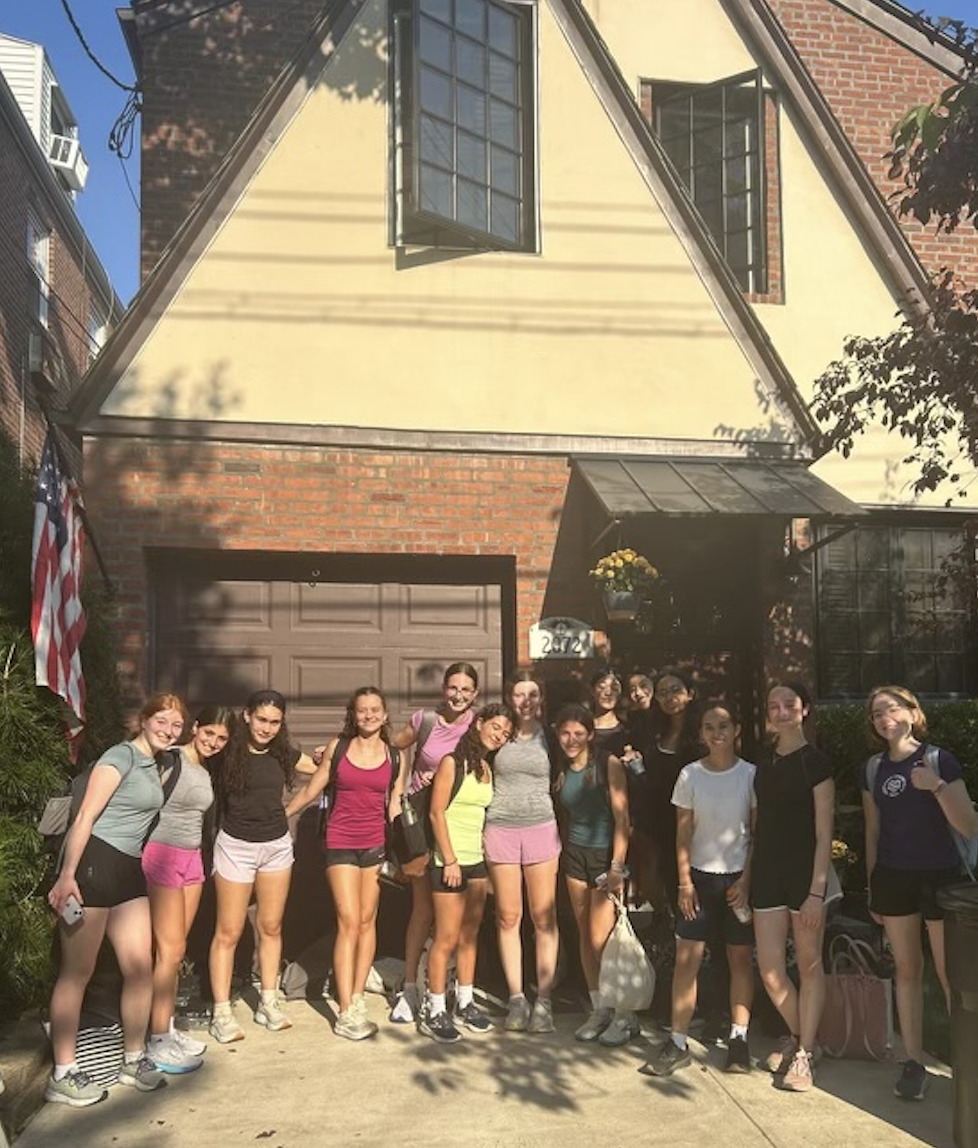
(464, 147)
(97, 332)
(39, 263)
(715, 136)
(887, 613)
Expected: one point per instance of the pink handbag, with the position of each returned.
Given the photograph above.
(857, 1021)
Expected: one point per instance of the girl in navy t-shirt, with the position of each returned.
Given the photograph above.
(910, 808)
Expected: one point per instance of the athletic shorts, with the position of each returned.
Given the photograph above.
(583, 863)
(239, 861)
(171, 866)
(108, 877)
(469, 873)
(523, 845)
(361, 858)
(904, 892)
(715, 919)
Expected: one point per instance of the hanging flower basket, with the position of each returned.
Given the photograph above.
(621, 605)
(626, 581)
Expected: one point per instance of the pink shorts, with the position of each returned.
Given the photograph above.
(527, 845)
(172, 866)
(239, 861)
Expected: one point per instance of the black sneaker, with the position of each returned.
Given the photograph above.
(912, 1083)
(439, 1027)
(473, 1018)
(738, 1057)
(667, 1060)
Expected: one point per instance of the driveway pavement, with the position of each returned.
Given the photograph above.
(307, 1087)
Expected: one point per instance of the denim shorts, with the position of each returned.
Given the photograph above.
(240, 861)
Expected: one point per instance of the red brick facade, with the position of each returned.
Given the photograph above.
(278, 498)
(870, 81)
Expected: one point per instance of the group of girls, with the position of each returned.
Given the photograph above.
(513, 801)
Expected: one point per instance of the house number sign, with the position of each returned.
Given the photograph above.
(561, 638)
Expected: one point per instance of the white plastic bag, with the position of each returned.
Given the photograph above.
(626, 980)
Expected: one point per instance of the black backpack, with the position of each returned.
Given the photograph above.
(328, 800)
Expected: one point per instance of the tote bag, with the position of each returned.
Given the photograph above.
(626, 979)
(857, 1021)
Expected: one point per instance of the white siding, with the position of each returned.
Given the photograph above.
(23, 65)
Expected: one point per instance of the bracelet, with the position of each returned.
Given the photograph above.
(617, 867)
(449, 864)
(818, 896)
(687, 886)
(939, 787)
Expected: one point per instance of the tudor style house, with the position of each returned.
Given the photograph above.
(57, 304)
(444, 299)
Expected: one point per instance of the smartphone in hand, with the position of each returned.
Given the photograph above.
(73, 910)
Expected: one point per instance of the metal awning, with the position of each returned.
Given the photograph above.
(701, 486)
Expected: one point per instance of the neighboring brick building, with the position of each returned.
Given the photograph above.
(56, 302)
(434, 324)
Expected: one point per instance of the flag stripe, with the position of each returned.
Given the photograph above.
(57, 617)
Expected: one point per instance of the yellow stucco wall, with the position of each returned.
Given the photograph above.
(300, 312)
(832, 288)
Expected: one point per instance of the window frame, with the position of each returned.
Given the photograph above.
(899, 610)
(38, 250)
(412, 225)
(754, 275)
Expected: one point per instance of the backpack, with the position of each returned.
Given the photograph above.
(967, 847)
(60, 812)
(327, 800)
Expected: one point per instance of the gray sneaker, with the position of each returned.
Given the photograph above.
(622, 1029)
(76, 1089)
(595, 1024)
(270, 1015)
(353, 1024)
(142, 1074)
(225, 1029)
(518, 1015)
(542, 1017)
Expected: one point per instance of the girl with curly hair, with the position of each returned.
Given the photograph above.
(253, 852)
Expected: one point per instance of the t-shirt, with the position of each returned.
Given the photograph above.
(257, 812)
(181, 821)
(126, 818)
(585, 797)
(466, 818)
(785, 827)
(440, 742)
(358, 819)
(914, 832)
(609, 742)
(521, 783)
(721, 801)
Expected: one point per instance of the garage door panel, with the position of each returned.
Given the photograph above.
(327, 682)
(245, 605)
(337, 606)
(420, 677)
(208, 680)
(440, 608)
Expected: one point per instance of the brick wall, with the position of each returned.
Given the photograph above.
(870, 81)
(150, 494)
(202, 80)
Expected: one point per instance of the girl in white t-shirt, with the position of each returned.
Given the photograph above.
(714, 800)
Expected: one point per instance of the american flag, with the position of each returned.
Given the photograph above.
(57, 617)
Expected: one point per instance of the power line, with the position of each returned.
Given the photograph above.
(88, 51)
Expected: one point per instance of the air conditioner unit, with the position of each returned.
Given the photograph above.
(67, 157)
(45, 363)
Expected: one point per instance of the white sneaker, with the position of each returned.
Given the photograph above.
(170, 1058)
(271, 1015)
(190, 1044)
(595, 1024)
(225, 1029)
(405, 1010)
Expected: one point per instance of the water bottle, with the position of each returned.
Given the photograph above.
(636, 764)
(744, 914)
(408, 814)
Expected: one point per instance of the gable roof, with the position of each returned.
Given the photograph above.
(911, 29)
(277, 110)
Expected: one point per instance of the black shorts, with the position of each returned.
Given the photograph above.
(108, 877)
(584, 863)
(361, 858)
(715, 921)
(781, 883)
(436, 875)
(904, 892)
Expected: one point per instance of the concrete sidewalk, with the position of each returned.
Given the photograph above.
(305, 1086)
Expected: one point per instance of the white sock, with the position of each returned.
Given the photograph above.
(269, 996)
(62, 1070)
(222, 1008)
(463, 996)
(680, 1040)
(595, 999)
(738, 1030)
(133, 1057)
(157, 1037)
(436, 1003)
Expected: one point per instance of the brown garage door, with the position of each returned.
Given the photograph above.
(229, 625)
